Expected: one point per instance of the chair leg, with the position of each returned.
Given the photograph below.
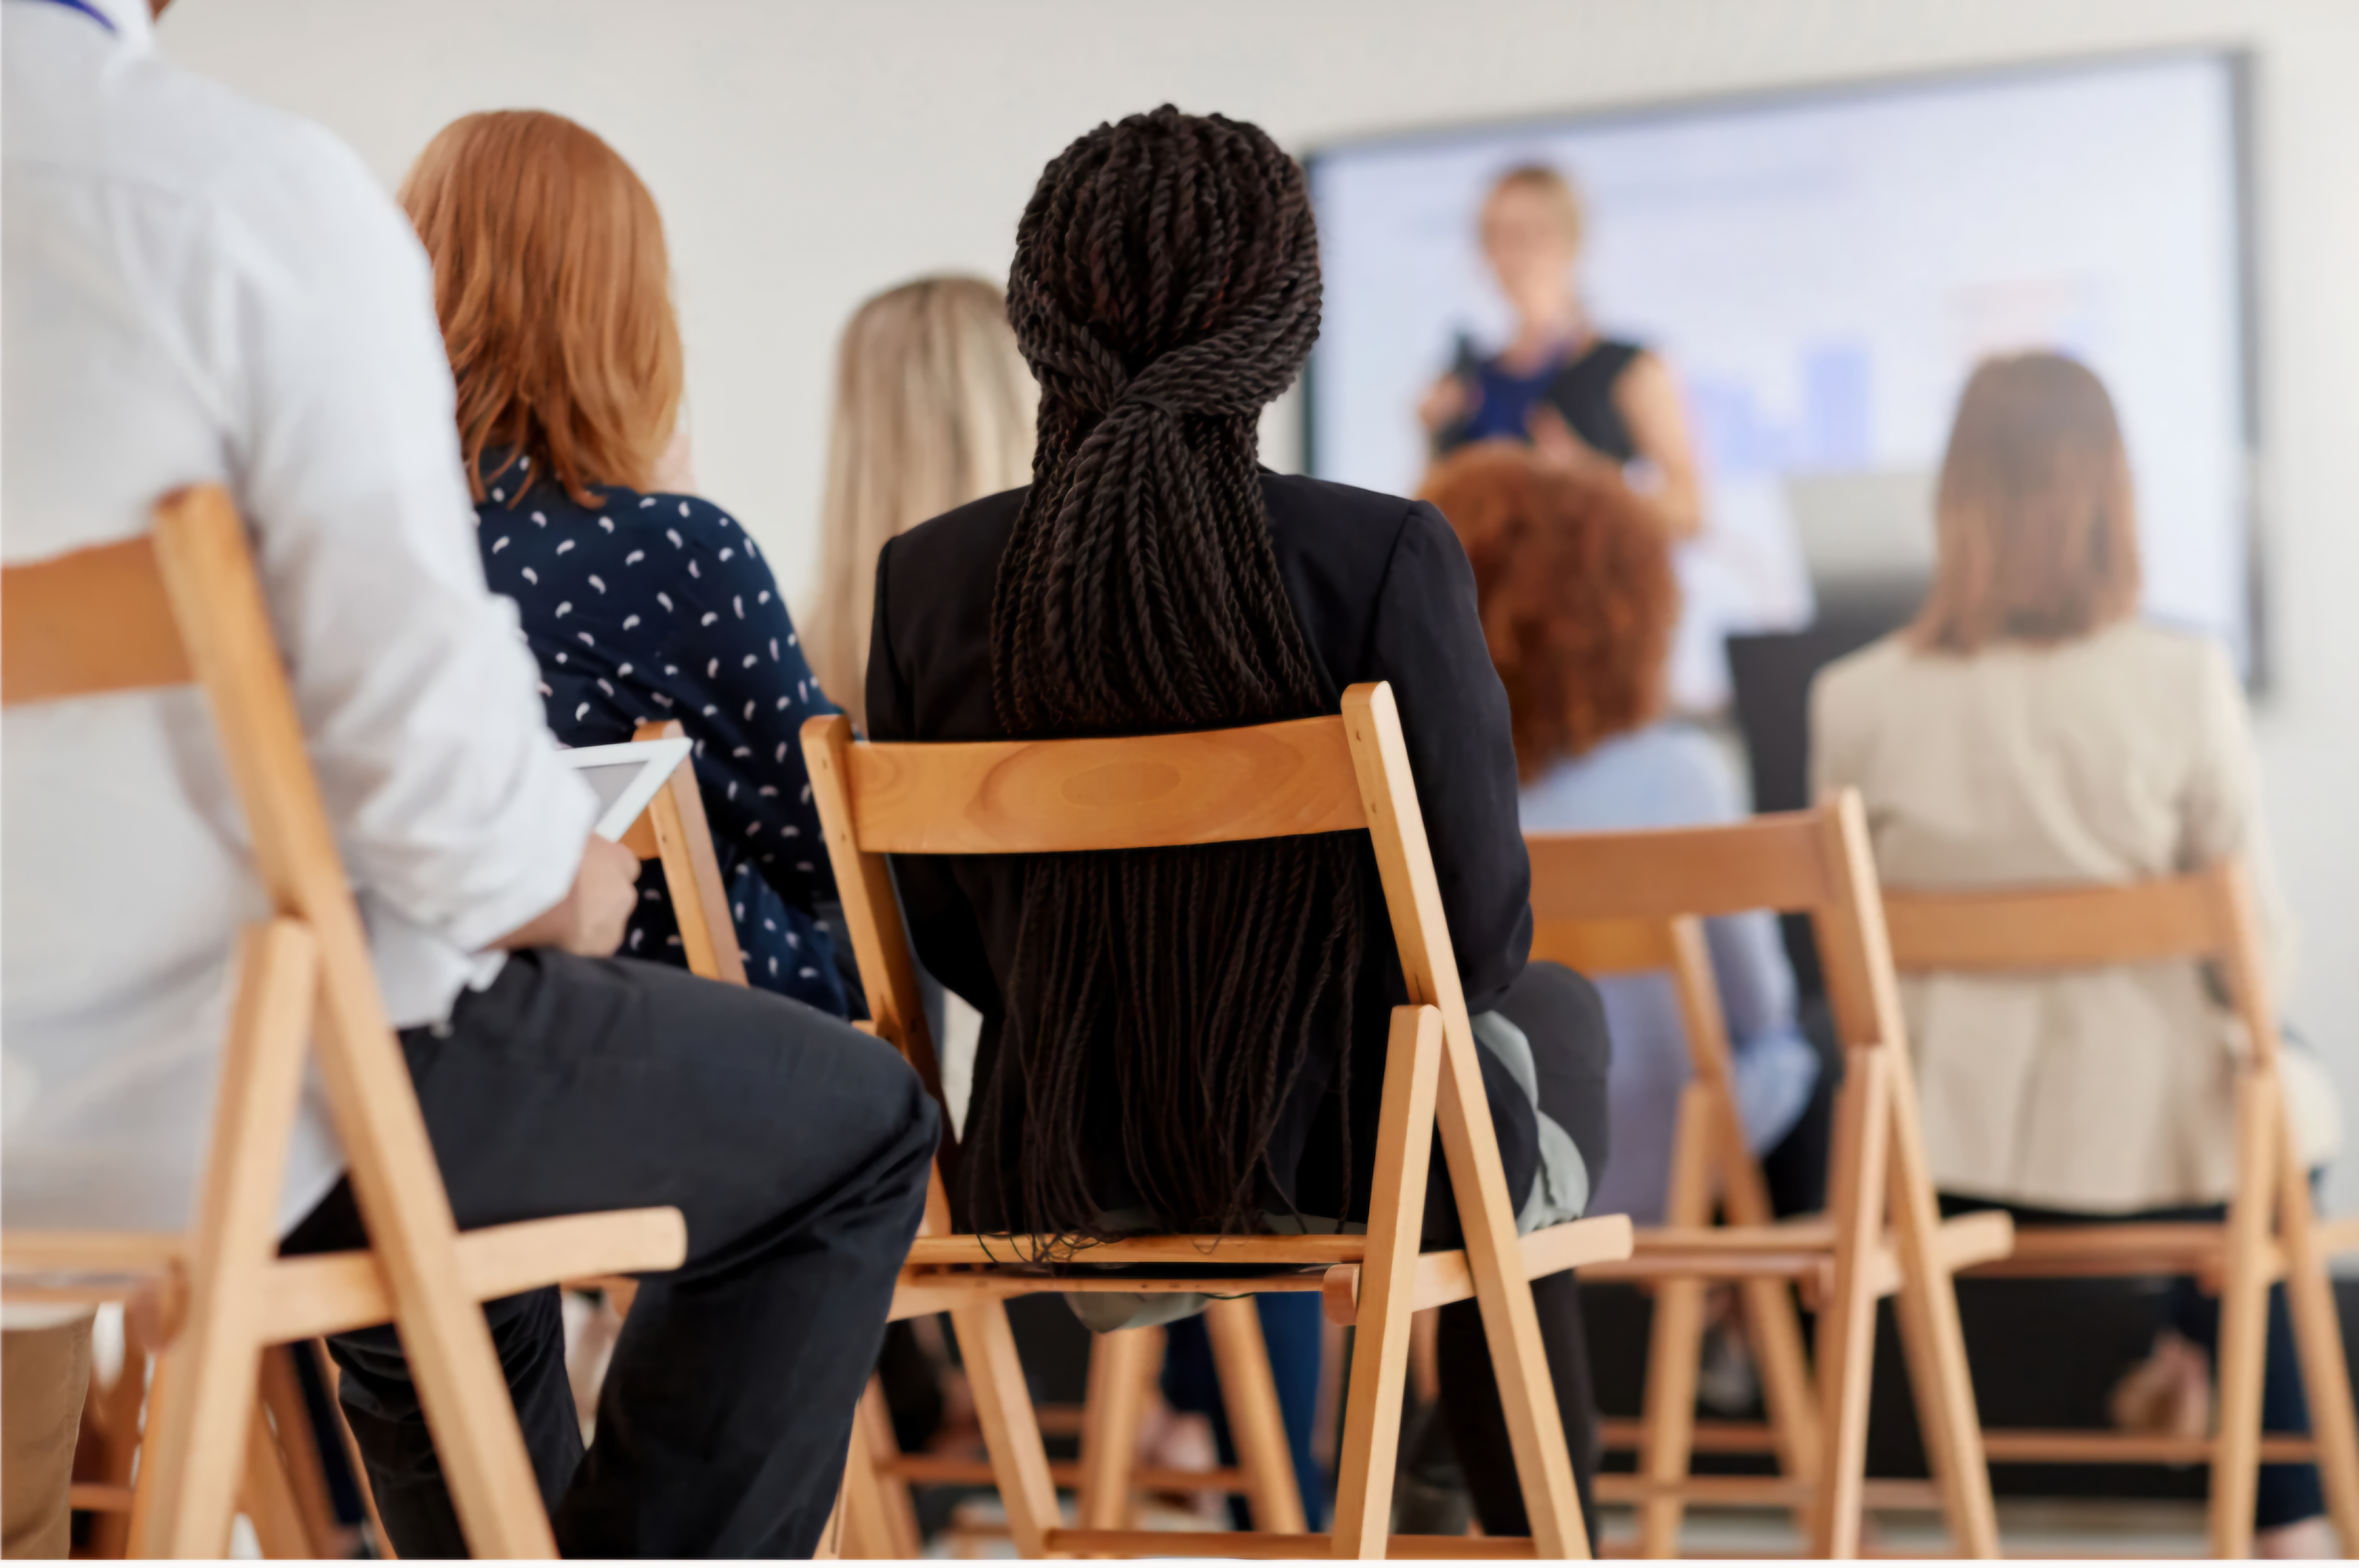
(1934, 1340)
(1366, 1457)
(202, 1405)
(267, 1499)
(1011, 1430)
(2318, 1339)
(1774, 1330)
(1249, 1394)
(878, 1521)
(299, 1443)
(2243, 1321)
(1674, 1339)
(1847, 1317)
(899, 1513)
(1121, 1368)
(1510, 1322)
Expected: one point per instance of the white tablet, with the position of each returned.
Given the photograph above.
(626, 777)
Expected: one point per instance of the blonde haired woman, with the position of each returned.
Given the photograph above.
(933, 410)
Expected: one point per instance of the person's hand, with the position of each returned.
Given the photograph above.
(589, 921)
(1446, 404)
(607, 890)
(1556, 442)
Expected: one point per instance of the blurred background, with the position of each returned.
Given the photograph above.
(1819, 211)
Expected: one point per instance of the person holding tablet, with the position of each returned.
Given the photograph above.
(202, 290)
(640, 601)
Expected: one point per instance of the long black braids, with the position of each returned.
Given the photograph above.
(1164, 289)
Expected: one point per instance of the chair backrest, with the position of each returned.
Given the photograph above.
(1673, 944)
(673, 831)
(183, 605)
(1308, 775)
(1814, 862)
(180, 605)
(2204, 916)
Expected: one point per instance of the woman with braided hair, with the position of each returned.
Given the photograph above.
(1193, 1038)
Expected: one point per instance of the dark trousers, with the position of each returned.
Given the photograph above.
(1560, 1012)
(2287, 1493)
(798, 1148)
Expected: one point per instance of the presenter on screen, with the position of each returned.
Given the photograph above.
(1578, 397)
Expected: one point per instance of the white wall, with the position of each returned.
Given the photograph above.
(807, 154)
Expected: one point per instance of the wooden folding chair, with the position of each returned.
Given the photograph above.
(1652, 886)
(183, 605)
(1713, 1173)
(285, 1493)
(672, 832)
(1106, 1477)
(1315, 775)
(2271, 1231)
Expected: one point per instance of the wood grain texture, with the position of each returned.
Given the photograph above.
(1011, 1431)
(1253, 1546)
(1367, 1456)
(1122, 1367)
(1846, 1349)
(1462, 1113)
(1308, 776)
(299, 1445)
(1765, 863)
(198, 1420)
(2051, 928)
(1931, 1333)
(1131, 793)
(871, 917)
(335, 1292)
(217, 601)
(91, 622)
(1442, 1278)
(1249, 1394)
(2272, 1231)
(683, 840)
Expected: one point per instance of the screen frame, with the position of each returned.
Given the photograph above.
(2241, 70)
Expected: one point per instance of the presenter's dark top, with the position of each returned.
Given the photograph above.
(657, 607)
(1384, 593)
(1580, 386)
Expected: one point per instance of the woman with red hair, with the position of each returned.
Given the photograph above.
(1578, 604)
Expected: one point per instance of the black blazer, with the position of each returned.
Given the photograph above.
(1384, 593)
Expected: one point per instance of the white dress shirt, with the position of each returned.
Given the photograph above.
(198, 289)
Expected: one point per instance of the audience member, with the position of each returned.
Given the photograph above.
(933, 410)
(1234, 996)
(1578, 602)
(2030, 729)
(202, 290)
(640, 603)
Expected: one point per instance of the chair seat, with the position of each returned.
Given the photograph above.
(1328, 1264)
(334, 1292)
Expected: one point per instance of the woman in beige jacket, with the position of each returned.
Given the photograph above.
(2027, 729)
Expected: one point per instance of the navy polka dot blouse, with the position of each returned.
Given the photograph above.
(656, 607)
